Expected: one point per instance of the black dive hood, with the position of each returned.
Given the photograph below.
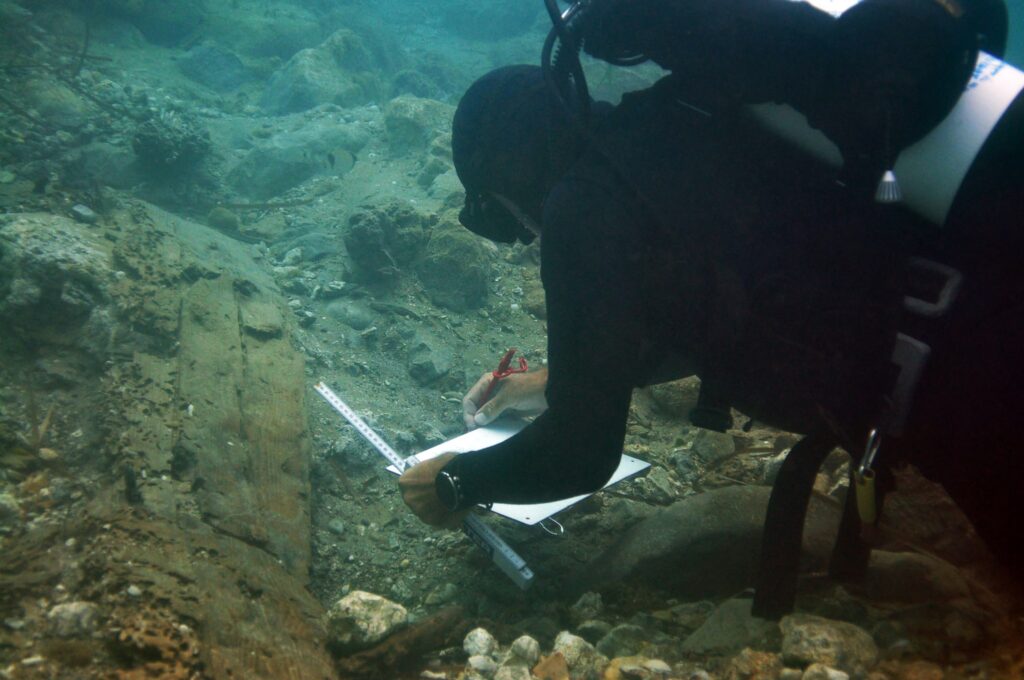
(874, 76)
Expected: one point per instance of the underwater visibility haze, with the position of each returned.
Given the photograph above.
(206, 209)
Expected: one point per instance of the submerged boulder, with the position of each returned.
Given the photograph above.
(706, 545)
(288, 158)
(341, 70)
(454, 269)
(211, 65)
(54, 275)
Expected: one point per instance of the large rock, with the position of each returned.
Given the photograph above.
(55, 103)
(412, 123)
(213, 66)
(729, 629)
(382, 241)
(341, 70)
(54, 275)
(706, 545)
(454, 269)
(812, 639)
(106, 163)
(289, 158)
(913, 577)
(360, 620)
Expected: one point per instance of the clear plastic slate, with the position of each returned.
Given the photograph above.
(499, 431)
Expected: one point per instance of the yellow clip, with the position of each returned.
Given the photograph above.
(865, 481)
(866, 507)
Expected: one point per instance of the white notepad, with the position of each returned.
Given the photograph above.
(499, 431)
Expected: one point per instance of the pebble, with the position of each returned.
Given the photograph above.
(134, 591)
(6, 176)
(483, 665)
(84, 213)
(73, 619)
(32, 660)
(818, 671)
(479, 642)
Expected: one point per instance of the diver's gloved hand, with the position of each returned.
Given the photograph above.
(420, 494)
(519, 393)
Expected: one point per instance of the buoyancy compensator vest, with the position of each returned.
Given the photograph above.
(872, 76)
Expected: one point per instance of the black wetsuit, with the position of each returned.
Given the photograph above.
(680, 242)
(641, 240)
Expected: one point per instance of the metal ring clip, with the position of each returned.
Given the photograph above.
(561, 529)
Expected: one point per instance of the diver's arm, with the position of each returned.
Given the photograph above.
(590, 269)
(518, 393)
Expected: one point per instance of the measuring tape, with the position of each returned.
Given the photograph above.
(482, 535)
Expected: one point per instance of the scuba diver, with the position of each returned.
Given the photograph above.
(679, 237)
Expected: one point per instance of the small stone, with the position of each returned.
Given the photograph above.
(332, 290)
(48, 455)
(134, 591)
(589, 606)
(73, 619)
(336, 526)
(818, 671)
(581, 656)
(6, 177)
(791, 674)
(223, 219)
(84, 214)
(484, 665)
(524, 651)
(32, 660)
(433, 675)
(623, 640)
(361, 619)
(513, 673)
(479, 642)
(657, 666)
(444, 593)
(292, 257)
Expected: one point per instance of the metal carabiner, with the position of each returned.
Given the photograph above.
(561, 529)
(870, 451)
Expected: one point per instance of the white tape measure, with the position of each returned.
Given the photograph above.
(482, 535)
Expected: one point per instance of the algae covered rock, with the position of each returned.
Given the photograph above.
(383, 241)
(213, 66)
(341, 70)
(454, 269)
(360, 620)
(412, 123)
(53, 273)
(286, 159)
(171, 141)
(814, 639)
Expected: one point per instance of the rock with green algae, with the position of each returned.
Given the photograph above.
(454, 269)
(812, 639)
(341, 70)
(413, 123)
